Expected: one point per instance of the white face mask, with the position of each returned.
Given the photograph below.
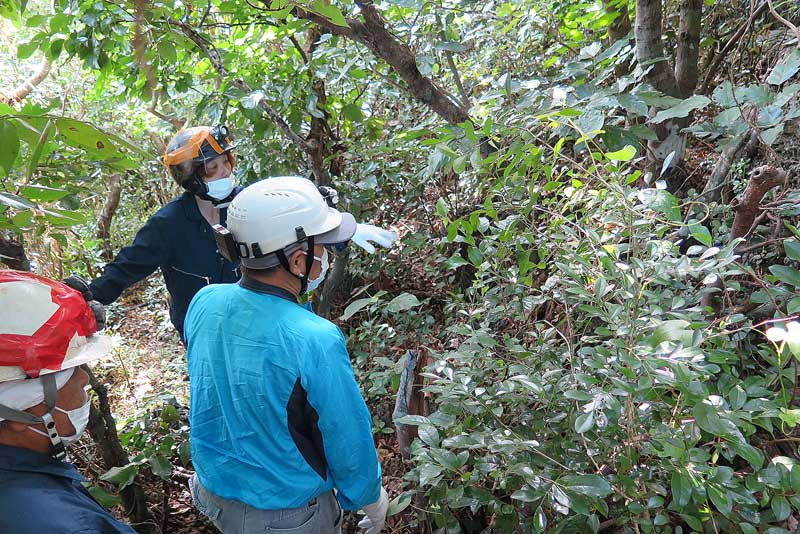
(79, 417)
(314, 284)
(219, 189)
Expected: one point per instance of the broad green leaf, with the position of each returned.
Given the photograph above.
(104, 497)
(785, 69)
(708, 419)
(589, 485)
(16, 202)
(40, 192)
(122, 476)
(780, 506)
(792, 248)
(441, 208)
(719, 496)
(353, 112)
(398, 504)
(672, 330)
(584, 422)
(683, 109)
(9, 145)
(160, 466)
(404, 301)
(626, 154)
(33, 159)
(701, 233)
(355, 307)
(185, 452)
(786, 274)
(330, 12)
(414, 420)
(429, 435)
(681, 486)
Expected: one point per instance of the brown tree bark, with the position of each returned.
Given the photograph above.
(103, 430)
(762, 179)
(27, 87)
(373, 33)
(688, 52)
(107, 214)
(12, 254)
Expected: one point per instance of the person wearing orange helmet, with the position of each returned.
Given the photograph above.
(47, 331)
(179, 239)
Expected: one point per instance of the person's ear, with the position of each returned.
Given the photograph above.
(297, 263)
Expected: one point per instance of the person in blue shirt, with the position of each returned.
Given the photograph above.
(281, 436)
(47, 330)
(178, 238)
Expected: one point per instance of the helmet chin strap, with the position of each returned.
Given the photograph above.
(301, 236)
(57, 449)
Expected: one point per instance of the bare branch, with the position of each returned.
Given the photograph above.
(30, 83)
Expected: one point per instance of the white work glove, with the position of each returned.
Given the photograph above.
(376, 514)
(367, 232)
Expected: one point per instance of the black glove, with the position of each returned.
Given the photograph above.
(79, 284)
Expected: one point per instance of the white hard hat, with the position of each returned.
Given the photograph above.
(280, 212)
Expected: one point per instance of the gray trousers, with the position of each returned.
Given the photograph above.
(319, 516)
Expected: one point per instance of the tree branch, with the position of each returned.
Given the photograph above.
(30, 83)
(785, 22)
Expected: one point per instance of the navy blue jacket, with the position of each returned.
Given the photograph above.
(39, 494)
(178, 240)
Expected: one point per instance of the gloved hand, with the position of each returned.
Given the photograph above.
(367, 232)
(79, 284)
(376, 514)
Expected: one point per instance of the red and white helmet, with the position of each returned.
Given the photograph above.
(45, 326)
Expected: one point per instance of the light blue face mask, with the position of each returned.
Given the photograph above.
(219, 189)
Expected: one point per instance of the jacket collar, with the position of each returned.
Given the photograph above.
(268, 289)
(26, 460)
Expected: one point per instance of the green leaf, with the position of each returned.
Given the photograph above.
(413, 420)
(789, 275)
(785, 69)
(122, 476)
(589, 485)
(672, 330)
(353, 112)
(16, 202)
(330, 12)
(404, 301)
(441, 208)
(429, 435)
(355, 307)
(584, 422)
(780, 506)
(792, 248)
(681, 488)
(428, 472)
(708, 419)
(160, 466)
(626, 154)
(720, 498)
(185, 452)
(84, 135)
(64, 218)
(40, 192)
(701, 233)
(104, 497)
(9, 145)
(398, 504)
(683, 109)
(33, 160)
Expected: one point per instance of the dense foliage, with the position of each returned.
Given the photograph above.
(591, 331)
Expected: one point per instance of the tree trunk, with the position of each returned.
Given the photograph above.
(688, 53)
(332, 283)
(103, 430)
(107, 214)
(12, 254)
(762, 179)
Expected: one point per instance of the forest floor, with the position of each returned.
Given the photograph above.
(150, 365)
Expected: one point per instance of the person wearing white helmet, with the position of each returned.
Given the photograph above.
(178, 240)
(277, 420)
(47, 330)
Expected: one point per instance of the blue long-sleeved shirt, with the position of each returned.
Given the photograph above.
(276, 415)
(40, 494)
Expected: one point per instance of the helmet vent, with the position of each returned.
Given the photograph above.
(277, 194)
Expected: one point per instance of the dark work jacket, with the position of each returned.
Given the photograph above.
(39, 494)
(178, 240)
